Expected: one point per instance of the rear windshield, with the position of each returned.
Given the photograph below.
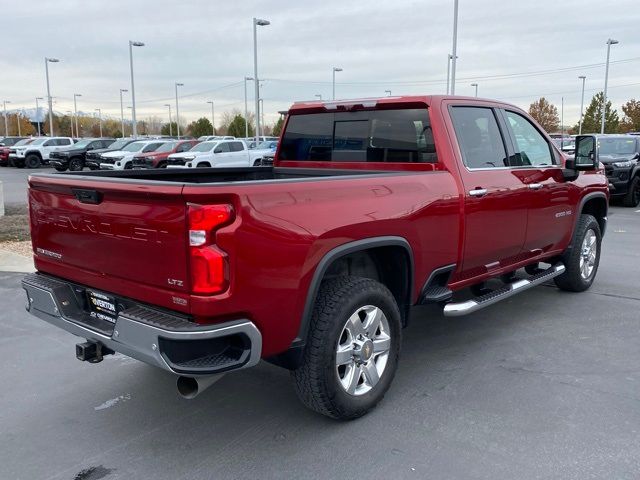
(364, 136)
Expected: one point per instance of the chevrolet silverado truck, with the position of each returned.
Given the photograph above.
(620, 155)
(73, 157)
(372, 206)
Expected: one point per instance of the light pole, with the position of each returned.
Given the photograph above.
(318, 96)
(134, 131)
(583, 78)
(257, 22)
(454, 50)
(178, 109)
(561, 122)
(122, 90)
(6, 125)
(100, 120)
(170, 126)
(449, 57)
(606, 81)
(246, 112)
(334, 70)
(46, 69)
(38, 114)
(75, 110)
(18, 123)
(475, 85)
(213, 127)
(262, 112)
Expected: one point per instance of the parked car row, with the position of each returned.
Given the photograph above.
(63, 153)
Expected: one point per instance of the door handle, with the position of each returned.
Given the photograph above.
(535, 186)
(478, 192)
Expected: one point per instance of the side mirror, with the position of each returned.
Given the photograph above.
(586, 156)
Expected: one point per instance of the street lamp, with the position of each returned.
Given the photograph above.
(583, 78)
(246, 112)
(388, 92)
(122, 90)
(46, 69)
(257, 22)
(75, 109)
(334, 70)
(318, 96)
(606, 81)
(178, 109)
(100, 119)
(170, 126)
(454, 51)
(38, 114)
(213, 127)
(475, 85)
(262, 111)
(134, 132)
(6, 125)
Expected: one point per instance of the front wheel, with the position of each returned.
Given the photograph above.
(582, 258)
(352, 348)
(33, 161)
(76, 165)
(632, 198)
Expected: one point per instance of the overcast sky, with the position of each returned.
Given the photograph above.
(516, 51)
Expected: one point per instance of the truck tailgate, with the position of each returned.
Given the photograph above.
(124, 234)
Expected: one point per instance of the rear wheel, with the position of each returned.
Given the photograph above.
(632, 198)
(352, 350)
(33, 161)
(76, 164)
(582, 258)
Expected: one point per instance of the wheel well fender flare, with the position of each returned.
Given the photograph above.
(583, 202)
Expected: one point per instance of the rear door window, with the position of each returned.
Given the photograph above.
(479, 137)
(236, 146)
(402, 135)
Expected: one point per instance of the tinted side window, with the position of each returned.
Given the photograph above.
(63, 141)
(183, 147)
(362, 136)
(236, 146)
(479, 137)
(531, 147)
(222, 148)
(49, 143)
(151, 147)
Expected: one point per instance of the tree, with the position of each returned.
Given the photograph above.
(237, 127)
(200, 127)
(545, 114)
(277, 128)
(631, 120)
(593, 116)
(165, 130)
(12, 123)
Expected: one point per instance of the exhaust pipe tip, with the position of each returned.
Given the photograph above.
(191, 387)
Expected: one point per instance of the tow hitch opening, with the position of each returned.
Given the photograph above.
(92, 352)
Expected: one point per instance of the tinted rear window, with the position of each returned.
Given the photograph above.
(364, 136)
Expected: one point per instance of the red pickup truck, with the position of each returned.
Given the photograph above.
(372, 206)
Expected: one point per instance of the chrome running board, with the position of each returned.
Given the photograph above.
(458, 309)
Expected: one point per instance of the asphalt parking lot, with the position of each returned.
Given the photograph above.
(14, 181)
(544, 385)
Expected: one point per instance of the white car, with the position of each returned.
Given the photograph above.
(36, 153)
(123, 159)
(217, 153)
(209, 138)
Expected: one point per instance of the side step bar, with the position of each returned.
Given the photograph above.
(463, 308)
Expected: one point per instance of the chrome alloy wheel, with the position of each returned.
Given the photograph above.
(588, 253)
(363, 350)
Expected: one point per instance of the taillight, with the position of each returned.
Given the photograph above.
(209, 264)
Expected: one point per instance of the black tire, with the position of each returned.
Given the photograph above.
(76, 164)
(316, 380)
(33, 161)
(61, 169)
(93, 168)
(257, 162)
(572, 280)
(632, 198)
(128, 165)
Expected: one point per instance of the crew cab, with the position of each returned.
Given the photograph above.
(36, 153)
(5, 150)
(73, 157)
(620, 155)
(372, 206)
(123, 159)
(158, 158)
(92, 158)
(215, 153)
